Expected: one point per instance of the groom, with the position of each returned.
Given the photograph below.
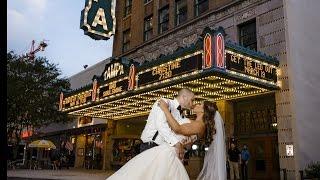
(157, 130)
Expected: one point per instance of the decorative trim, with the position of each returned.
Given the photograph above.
(172, 39)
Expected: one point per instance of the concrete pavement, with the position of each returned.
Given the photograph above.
(71, 174)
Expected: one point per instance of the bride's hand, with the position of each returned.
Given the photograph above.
(163, 105)
(214, 131)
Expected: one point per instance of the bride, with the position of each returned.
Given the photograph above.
(214, 166)
(162, 163)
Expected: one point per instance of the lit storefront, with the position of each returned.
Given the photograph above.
(215, 70)
(84, 133)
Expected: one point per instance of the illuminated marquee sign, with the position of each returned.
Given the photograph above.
(171, 69)
(214, 48)
(207, 50)
(249, 66)
(120, 76)
(94, 89)
(61, 101)
(98, 19)
(114, 70)
(77, 99)
(219, 51)
(113, 87)
(132, 77)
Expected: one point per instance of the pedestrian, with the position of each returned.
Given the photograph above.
(234, 157)
(54, 160)
(245, 156)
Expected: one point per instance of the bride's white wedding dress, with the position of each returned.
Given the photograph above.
(214, 165)
(158, 163)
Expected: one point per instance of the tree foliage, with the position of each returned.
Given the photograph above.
(313, 170)
(33, 90)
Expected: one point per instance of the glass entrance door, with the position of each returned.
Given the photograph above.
(94, 151)
(255, 125)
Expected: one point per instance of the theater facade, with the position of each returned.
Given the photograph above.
(232, 52)
(241, 80)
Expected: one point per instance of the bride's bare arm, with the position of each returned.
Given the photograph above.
(184, 129)
(188, 141)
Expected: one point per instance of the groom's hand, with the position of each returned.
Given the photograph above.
(179, 150)
(163, 105)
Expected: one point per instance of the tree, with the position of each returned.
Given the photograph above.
(33, 90)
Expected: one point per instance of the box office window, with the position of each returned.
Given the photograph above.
(201, 6)
(163, 19)
(147, 29)
(248, 35)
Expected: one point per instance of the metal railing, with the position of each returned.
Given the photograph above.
(16, 164)
(284, 172)
(303, 177)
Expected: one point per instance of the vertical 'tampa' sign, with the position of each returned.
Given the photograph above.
(98, 19)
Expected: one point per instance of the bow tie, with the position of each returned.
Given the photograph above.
(180, 111)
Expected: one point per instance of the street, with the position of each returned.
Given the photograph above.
(18, 178)
(72, 174)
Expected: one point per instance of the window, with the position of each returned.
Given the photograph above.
(181, 11)
(146, 1)
(127, 8)
(164, 19)
(126, 40)
(247, 35)
(201, 6)
(147, 29)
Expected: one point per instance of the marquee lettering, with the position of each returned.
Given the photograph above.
(165, 71)
(250, 66)
(100, 19)
(113, 89)
(113, 70)
(77, 99)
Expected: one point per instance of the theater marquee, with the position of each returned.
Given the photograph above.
(179, 66)
(250, 66)
(214, 68)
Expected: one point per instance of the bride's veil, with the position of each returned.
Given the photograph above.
(214, 166)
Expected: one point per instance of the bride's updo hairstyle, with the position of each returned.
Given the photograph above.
(210, 109)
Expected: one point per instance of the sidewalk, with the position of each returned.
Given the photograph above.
(71, 174)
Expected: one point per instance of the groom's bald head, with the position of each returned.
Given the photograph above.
(185, 92)
(185, 98)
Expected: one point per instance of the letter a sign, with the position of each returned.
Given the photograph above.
(98, 19)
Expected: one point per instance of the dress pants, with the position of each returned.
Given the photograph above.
(244, 170)
(234, 170)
